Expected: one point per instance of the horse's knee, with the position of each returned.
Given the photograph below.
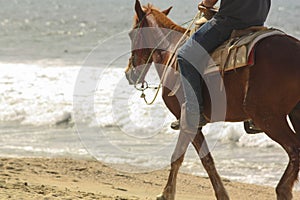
(294, 157)
(208, 162)
(176, 160)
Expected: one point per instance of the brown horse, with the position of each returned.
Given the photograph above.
(266, 93)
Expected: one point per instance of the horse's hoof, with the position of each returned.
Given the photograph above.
(160, 197)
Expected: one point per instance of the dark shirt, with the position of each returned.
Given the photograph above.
(244, 13)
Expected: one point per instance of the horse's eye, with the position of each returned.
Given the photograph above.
(132, 58)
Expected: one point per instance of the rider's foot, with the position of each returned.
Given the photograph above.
(202, 122)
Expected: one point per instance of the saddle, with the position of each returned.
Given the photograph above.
(237, 51)
(234, 53)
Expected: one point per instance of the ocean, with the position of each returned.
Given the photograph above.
(63, 92)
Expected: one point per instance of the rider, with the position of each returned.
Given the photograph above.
(194, 54)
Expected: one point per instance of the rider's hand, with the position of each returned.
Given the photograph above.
(201, 5)
(205, 5)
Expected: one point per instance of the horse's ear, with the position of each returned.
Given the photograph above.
(166, 12)
(139, 11)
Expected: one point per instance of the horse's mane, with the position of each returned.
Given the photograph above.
(161, 18)
(148, 7)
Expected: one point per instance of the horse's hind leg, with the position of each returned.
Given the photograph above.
(202, 149)
(290, 176)
(295, 119)
(278, 129)
(183, 141)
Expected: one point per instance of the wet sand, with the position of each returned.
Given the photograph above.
(64, 178)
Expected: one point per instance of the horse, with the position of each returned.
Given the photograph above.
(266, 92)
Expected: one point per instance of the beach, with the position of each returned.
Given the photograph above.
(71, 127)
(65, 178)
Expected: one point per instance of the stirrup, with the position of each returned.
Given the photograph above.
(250, 127)
(176, 124)
(202, 121)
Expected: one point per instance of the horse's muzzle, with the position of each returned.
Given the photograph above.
(132, 76)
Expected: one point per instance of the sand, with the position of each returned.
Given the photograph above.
(65, 178)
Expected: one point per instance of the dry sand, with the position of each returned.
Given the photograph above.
(61, 178)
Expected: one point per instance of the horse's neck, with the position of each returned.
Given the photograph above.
(177, 28)
(167, 23)
(164, 62)
(160, 57)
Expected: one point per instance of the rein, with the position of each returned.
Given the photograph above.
(170, 62)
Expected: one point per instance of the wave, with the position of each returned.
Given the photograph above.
(44, 96)
(36, 95)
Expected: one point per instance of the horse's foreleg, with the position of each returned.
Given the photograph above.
(176, 161)
(170, 188)
(172, 102)
(202, 149)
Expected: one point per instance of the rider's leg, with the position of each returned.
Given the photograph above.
(193, 57)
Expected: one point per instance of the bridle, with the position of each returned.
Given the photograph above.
(171, 60)
(140, 52)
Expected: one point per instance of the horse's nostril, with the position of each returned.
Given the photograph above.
(130, 77)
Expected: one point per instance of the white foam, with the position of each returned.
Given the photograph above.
(234, 133)
(34, 94)
(39, 95)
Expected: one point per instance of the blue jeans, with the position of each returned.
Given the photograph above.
(193, 57)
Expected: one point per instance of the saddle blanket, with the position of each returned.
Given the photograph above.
(236, 52)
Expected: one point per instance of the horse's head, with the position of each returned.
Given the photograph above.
(146, 37)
